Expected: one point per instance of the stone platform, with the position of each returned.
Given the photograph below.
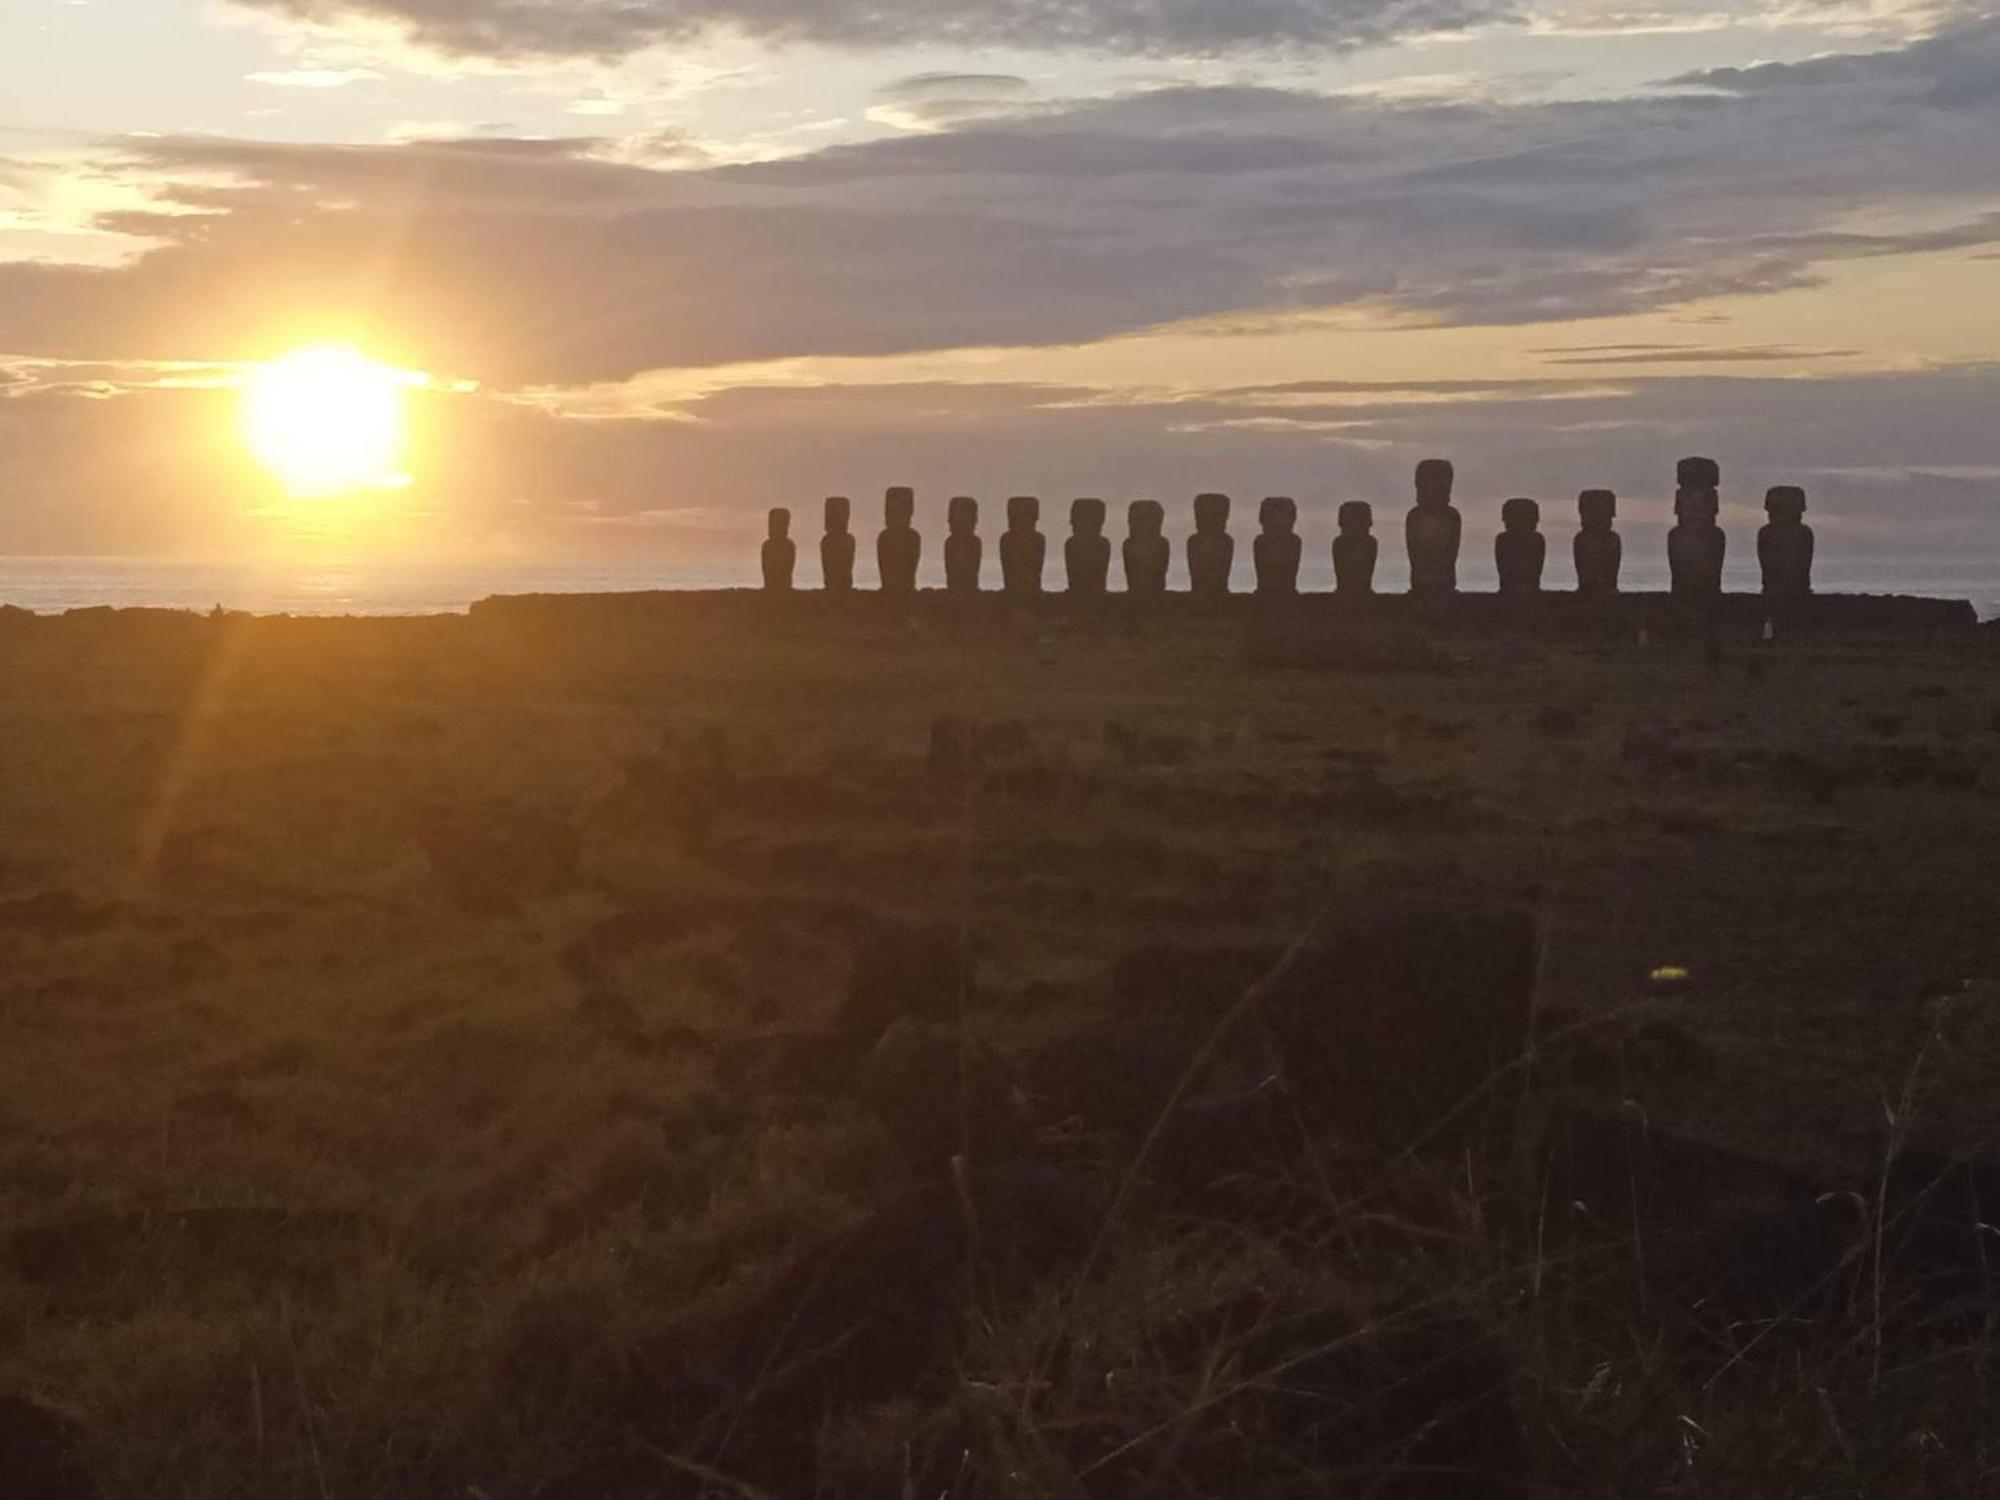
(1739, 615)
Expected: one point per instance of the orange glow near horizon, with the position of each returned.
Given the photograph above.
(328, 421)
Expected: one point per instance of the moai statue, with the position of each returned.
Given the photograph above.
(1087, 553)
(1785, 546)
(1598, 549)
(1355, 549)
(1696, 546)
(1520, 551)
(1146, 550)
(1433, 532)
(1277, 549)
(963, 551)
(1211, 551)
(781, 554)
(1023, 549)
(836, 548)
(899, 547)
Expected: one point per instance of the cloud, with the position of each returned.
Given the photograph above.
(1899, 466)
(1691, 354)
(561, 262)
(315, 78)
(1458, 88)
(925, 86)
(610, 28)
(1959, 68)
(932, 101)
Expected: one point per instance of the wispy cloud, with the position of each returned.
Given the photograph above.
(316, 78)
(935, 101)
(1689, 354)
(609, 28)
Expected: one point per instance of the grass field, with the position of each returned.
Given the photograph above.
(435, 1063)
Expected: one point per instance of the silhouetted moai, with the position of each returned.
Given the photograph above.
(1785, 546)
(1520, 552)
(1024, 551)
(1211, 551)
(1355, 549)
(1433, 532)
(836, 548)
(1087, 553)
(1696, 549)
(1277, 549)
(1147, 552)
(899, 548)
(781, 553)
(963, 550)
(1599, 550)
(1696, 546)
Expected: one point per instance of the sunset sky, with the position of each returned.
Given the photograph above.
(670, 262)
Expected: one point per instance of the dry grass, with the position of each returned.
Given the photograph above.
(325, 1175)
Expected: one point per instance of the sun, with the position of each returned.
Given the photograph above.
(327, 421)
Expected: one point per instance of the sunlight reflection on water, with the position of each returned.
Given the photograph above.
(53, 584)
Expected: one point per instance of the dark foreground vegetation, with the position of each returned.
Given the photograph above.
(721, 1053)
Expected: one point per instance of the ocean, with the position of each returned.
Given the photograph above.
(50, 585)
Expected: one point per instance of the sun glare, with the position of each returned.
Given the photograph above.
(328, 421)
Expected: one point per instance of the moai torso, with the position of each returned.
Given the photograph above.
(1024, 550)
(1520, 552)
(963, 550)
(1599, 551)
(1087, 553)
(1433, 531)
(1277, 549)
(1211, 551)
(1785, 545)
(781, 553)
(836, 548)
(1696, 547)
(899, 548)
(1146, 550)
(1355, 550)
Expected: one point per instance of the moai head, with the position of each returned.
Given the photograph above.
(962, 515)
(1357, 518)
(1024, 513)
(1146, 519)
(1434, 480)
(780, 525)
(1597, 509)
(1211, 513)
(1785, 503)
(1279, 514)
(899, 508)
(839, 510)
(1698, 474)
(1520, 515)
(1086, 517)
(1697, 499)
